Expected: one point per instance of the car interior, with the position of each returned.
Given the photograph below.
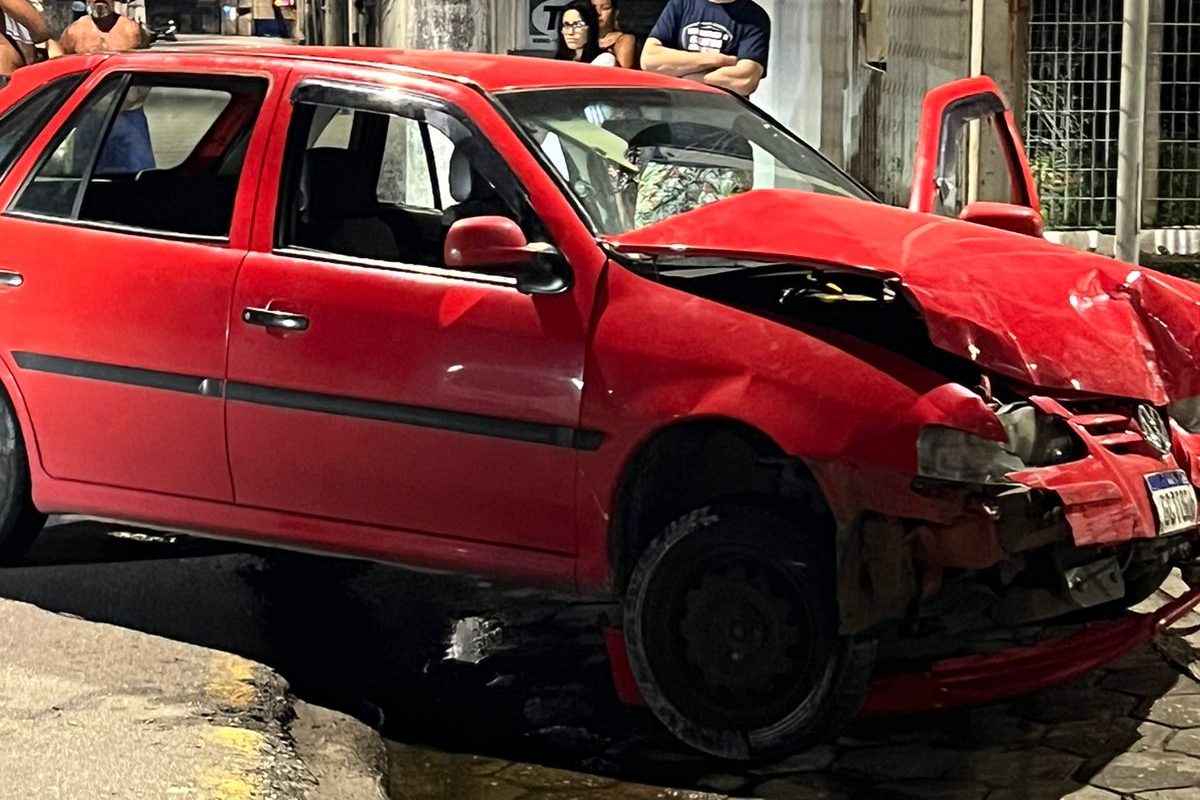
(340, 205)
(207, 178)
(191, 185)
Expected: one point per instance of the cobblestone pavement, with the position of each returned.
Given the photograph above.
(1129, 731)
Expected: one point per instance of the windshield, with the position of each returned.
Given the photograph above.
(634, 157)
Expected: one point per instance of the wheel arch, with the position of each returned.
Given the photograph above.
(697, 461)
(16, 401)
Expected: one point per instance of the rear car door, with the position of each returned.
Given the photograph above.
(964, 123)
(123, 228)
(370, 383)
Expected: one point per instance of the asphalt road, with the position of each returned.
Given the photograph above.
(528, 691)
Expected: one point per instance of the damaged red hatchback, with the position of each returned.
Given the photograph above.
(603, 330)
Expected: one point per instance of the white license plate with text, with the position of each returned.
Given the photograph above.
(1174, 501)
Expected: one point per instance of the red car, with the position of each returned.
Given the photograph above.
(598, 329)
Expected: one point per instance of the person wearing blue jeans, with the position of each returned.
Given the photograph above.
(127, 148)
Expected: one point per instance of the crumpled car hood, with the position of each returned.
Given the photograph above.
(1021, 307)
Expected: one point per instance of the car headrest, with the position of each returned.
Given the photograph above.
(465, 181)
(339, 185)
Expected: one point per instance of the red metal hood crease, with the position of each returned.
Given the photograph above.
(1022, 307)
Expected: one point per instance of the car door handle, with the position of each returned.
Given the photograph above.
(10, 278)
(268, 318)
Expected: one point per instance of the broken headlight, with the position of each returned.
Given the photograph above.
(955, 455)
(1036, 438)
(1186, 412)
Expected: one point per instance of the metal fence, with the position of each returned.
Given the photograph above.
(1172, 164)
(1072, 112)
(1073, 95)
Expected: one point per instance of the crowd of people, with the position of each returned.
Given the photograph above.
(723, 43)
(28, 37)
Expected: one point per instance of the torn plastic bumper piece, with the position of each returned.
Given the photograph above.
(974, 680)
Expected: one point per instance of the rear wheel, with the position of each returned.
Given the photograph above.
(732, 631)
(20, 522)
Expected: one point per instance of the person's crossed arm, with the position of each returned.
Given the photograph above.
(738, 72)
(657, 57)
(23, 12)
(741, 77)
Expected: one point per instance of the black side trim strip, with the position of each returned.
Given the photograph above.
(152, 379)
(497, 427)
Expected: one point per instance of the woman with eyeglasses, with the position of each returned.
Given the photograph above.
(579, 35)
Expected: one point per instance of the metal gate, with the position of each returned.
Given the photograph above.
(1072, 112)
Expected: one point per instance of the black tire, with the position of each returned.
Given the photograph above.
(20, 522)
(731, 626)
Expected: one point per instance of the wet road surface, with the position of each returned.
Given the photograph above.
(530, 685)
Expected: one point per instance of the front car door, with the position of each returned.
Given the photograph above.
(125, 226)
(940, 174)
(368, 382)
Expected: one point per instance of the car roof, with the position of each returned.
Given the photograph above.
(493, 73)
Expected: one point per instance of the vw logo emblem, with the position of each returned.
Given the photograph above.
(1153, 428)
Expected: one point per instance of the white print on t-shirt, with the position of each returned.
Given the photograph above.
(705, 37)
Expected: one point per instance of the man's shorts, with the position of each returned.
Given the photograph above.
(665, 190)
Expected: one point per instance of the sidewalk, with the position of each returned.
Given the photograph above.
(93, 711)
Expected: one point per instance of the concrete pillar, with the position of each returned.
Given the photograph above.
(1130, 132)
(334, 22)
(466, 25)
(1154, 43)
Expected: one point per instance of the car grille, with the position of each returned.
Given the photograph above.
(1114, 427)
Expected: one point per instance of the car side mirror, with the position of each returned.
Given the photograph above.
(1005, 216)
(497, 245)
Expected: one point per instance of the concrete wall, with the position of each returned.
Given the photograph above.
(929, 44)
(811, 45)
(470, 25)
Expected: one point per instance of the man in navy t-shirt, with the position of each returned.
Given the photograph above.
(719, 42)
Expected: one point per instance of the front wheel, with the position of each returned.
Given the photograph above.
(20, 522)
(731, 626)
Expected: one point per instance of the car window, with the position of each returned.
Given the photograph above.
(953, 176)
(333, 127)
(178, 117)
(159, 153)
(55, 184)
(383, 187)
(404, 176)
(24, 121)
(633, 157)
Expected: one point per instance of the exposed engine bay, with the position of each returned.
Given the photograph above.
(993, 535)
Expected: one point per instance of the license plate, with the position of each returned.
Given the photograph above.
(1174, 501)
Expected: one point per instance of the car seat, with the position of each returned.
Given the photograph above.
(473, 195)
(340, 211)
